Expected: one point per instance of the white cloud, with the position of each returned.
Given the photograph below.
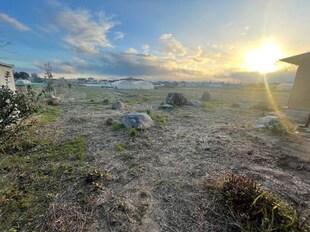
(131, 51)
(13, 22)
(145, 48)
(171, 46)
(86, 32)
(119, 35)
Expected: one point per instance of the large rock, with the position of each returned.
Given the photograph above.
(137, 120)
(206, 96)
(117, 105)
(265, 121)
(176, 99)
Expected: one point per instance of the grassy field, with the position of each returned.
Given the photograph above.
(70, 171)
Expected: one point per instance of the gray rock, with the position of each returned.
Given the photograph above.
(206, 96)
(176, 99)
(166, 106)
(265, 121)
(137, 120)
(109, 121)
(194, 103)
(117, 105)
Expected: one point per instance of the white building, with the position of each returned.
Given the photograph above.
(133, 84)
(4, 68)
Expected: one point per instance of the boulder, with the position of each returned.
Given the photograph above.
(166, 106)
(176, 99)
(117, 105)
(206, 96)
(194, 103)
(265, 121)
(137, 120)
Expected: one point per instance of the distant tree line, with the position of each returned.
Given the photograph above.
(26, 76)
(21, 75)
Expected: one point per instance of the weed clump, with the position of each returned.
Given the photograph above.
(132, 132)
(117, 125)
(120, 146)
(254, 208)
(277, 128)
(158, 117)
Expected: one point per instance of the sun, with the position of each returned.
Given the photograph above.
(262, 59)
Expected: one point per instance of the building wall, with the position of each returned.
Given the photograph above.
(3, 70)
(300, 95)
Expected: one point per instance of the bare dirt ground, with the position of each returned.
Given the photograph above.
(155, 179)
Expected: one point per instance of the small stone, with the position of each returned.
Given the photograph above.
(53, 100)
(166, 106)
(195, 103)
(206, 96)
(109, 121)
(236, 105)
(117, 105)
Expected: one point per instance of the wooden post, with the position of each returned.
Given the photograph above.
(308, 121)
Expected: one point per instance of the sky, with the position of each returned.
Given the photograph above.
(199, 40)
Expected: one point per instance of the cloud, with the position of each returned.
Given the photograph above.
(171, 46)
(58, 66)
(85, 32)
(145, 48)
(131, 51)
(119, 35)
(13, 22)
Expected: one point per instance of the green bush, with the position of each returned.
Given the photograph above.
(120, 146)
(278, 128)
(256, 209)
(117, 125)
(132, 132)
(15, 108)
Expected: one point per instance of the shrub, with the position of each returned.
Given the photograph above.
(120, 146)
(278, 128)
(132, 132)
(117, 125)
(14, 109)
(158, 117)
(254, 208)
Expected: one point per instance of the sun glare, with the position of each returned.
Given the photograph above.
(262, 59)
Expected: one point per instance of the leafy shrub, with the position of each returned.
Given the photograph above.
(158, 117)
(132, 132)
(117, 125)
(120, 146)
(278, 128)
(254, 208)
(14, 109)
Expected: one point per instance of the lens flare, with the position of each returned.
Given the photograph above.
(263, 58)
